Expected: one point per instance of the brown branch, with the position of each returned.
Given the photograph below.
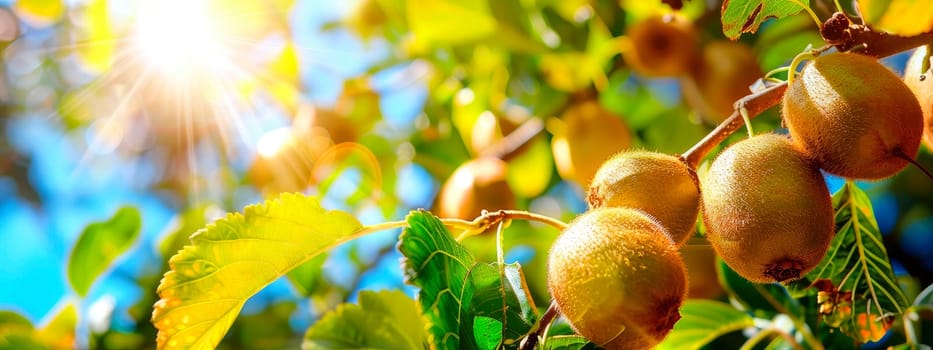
(531, 340)
(875, 44)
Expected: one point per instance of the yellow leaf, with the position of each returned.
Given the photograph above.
(97, 48)
(450, 22)
(233, 259)
(59, 331)
(40, 12)
(902, 17)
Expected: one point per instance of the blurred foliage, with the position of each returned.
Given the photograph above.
(235, 115)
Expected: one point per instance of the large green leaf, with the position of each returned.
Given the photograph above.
(99, 245)
(763, 300)
(745, 16)
(235, 257)
(567, 342)
(857, 263)
(382, 320)
(455, 288)
(702, 321)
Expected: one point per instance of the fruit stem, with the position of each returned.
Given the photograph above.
(900, 154)
(531, 339)
(748, 121)
(878, 44)
(511, 143)
(489, 218)
(819, 23)
(754, 104)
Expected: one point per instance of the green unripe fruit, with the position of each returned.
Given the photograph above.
(854, 116)
(617, 278)
(767, 210)
(659, 184)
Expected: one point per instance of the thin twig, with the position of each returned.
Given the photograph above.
(531, 340)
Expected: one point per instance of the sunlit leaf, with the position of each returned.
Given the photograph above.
(40, 12)
(745, 16)
(857, 262)
(902, 17)
(381, 320)
(455, 288)
(98, 46)
(701, 322)
(59, 331)
(446, 22)
(307, 277)
(234, 258)
(99, 245)
(529, 173)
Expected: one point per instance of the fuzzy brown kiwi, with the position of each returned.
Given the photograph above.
(767, 209)
(922, 88)
(854, 116)
(590, 135)
(721, 75)
(661, 46)
(476, 185)
(659, 184)
(617, 278)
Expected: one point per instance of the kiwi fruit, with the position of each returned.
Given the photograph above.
(854, 116)
(700, 260)
(922, 88)
(720, 76)
(589, 135)
(767, 209)
(659, 184)
(617, 278)
(476, 185)
(661, 46)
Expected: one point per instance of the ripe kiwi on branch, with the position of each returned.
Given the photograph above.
(661, 46)
(854, 116)
(617, 278)
(720, 75)
(589, 134)
(476, 185)
(659, 184)
(767, 209)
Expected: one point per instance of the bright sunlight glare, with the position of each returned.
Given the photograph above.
(178, 36)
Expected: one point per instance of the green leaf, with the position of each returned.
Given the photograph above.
(702, 321)
(857, 263)
(567, 342)
(382, 320)
(59, 331)
(488, 332)
(99, 245)
(234, 258)
(455, 288)
(745, 16)
(307, 277)
(765, 300)
(925, 297)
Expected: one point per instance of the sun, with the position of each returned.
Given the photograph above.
(179, 37)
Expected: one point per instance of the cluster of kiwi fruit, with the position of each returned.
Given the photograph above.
(617, 273)
(712, 77)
